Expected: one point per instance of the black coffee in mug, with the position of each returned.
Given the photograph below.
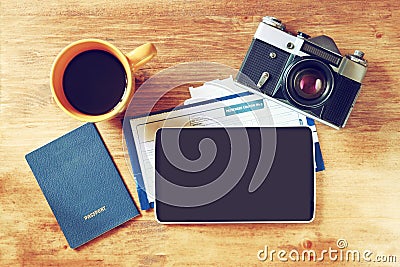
(94, 82)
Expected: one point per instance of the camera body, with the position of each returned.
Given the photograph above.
(306, 74)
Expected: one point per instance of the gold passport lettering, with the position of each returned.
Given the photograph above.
(94, 213)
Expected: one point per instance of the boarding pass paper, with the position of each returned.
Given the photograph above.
(245, 109)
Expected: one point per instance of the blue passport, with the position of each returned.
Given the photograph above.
(82, 185)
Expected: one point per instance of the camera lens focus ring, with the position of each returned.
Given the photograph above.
(308, 82)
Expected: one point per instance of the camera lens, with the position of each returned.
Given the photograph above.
(309, 82)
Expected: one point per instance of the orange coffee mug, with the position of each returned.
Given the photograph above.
(91, 80)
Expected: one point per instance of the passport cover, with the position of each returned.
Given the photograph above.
(82, 185)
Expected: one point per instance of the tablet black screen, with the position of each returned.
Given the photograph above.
(286, 193)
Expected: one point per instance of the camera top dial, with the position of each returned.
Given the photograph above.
(358, 57)
(274, 22)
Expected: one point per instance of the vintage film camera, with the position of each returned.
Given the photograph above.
(306, 74)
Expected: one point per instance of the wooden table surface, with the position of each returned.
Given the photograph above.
(357, 195)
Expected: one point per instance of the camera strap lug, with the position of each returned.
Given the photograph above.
(264, 77)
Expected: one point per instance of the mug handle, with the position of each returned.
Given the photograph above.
(141, 55)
